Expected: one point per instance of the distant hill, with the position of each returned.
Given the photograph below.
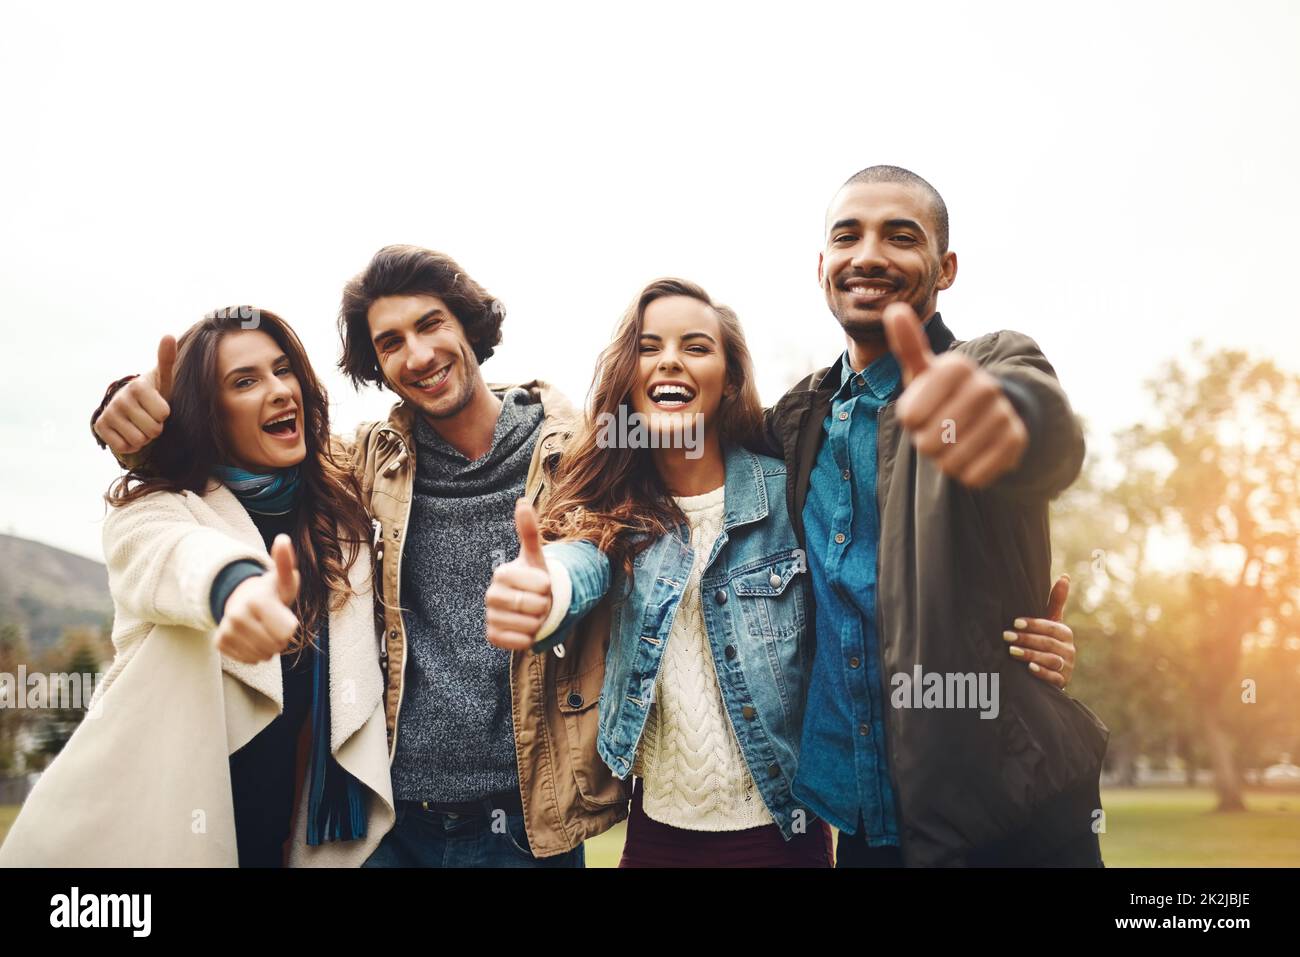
(45, 589)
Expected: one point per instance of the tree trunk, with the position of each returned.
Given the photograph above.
(1227, 784)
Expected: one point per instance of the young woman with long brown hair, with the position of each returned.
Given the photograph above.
(703, 697)
(241, 721)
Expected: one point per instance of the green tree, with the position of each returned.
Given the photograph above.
(1191, 566)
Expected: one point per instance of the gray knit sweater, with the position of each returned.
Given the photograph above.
(456, 736)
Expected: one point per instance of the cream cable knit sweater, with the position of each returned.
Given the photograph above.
(693, 774)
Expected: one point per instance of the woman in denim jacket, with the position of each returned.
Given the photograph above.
(661, 519)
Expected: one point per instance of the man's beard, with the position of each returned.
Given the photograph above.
(864, 331)
(870, 330)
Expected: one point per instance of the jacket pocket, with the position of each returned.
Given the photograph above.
(579, 700)
(771, 596)
(1021, 774)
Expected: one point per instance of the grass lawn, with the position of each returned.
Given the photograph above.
(1177, 827)
(7, 814)
(1150, 827)
(1145, 827)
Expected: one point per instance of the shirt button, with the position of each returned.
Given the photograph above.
(773, 771)
(844, 474)
(860, 382)
(720, 597)
(730, 652)
(843, 416)
(775, 580)
(854, 662)
(575, 700)
(748, 712)
(864, 729)
(839, 538)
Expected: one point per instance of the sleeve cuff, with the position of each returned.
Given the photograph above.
(228, 579)
(561, 597)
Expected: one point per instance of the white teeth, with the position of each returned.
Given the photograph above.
(288, 417)
(671, 394)
(870, 290)
(434, 379)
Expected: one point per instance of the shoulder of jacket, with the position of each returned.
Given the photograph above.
(805, 386)
(993, 345)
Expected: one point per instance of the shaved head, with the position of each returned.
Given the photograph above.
(905, 177)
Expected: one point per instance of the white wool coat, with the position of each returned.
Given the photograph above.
(145, 779)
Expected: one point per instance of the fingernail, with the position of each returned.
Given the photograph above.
(1033, 666)
(1065, 575)
(1020, 624)
(1009, 636)
(1016, 651)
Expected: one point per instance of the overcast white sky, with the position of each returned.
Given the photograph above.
(1120, 177)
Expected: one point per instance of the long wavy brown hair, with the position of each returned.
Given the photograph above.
(615, 497)
(331, 522)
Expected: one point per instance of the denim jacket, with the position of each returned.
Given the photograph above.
(757, 610)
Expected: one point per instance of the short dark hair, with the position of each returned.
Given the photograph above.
(896, 174)
(402, 270)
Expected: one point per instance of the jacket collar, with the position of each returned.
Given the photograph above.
(745, 491)
(941, 340)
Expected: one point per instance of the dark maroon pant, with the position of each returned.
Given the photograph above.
(653, 844)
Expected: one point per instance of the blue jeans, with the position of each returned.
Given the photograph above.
(423, 838)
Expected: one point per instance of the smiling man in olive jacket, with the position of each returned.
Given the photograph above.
(921, 468)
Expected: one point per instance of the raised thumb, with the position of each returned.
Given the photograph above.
(166, 362)
(530, 539)
(286, 569)
(907, 340)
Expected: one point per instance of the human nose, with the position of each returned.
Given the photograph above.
(668, 359)
(280, 391)
(418, 355)
(869, 254)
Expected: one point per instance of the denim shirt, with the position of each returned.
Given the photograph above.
(753, 588)
(844, 770)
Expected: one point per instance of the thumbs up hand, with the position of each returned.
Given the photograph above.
(135, 415)
(258, 622)
(519, 598)
(955, 412)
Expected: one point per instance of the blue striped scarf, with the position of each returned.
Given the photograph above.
(272, 493)
(336, 809)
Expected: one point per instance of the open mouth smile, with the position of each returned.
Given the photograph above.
(671, 395)
(432, 384)
(283, 426)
